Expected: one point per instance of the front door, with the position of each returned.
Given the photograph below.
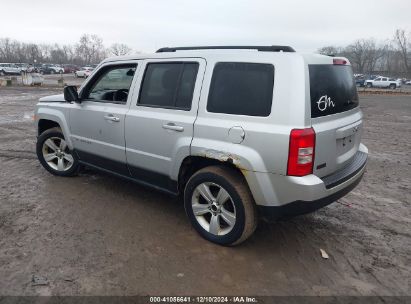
(97, 123)
(159, 125)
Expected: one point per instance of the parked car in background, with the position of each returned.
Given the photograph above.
(51, 69)
(9, 69)
(360, 81)
(22, 66)
(383, 82)
(84, 72)
(70, 68)
(408, 82)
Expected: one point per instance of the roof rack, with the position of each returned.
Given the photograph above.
(269, 48)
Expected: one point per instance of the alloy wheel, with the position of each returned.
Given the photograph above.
(213, 208)
(56, 154)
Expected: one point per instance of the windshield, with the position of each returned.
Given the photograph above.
(332, 89)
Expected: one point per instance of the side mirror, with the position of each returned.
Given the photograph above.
(70, 94)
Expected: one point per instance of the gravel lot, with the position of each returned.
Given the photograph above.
(99, 235)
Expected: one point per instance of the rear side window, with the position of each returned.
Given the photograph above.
(332, 89)
(241, 89)
(169, 85)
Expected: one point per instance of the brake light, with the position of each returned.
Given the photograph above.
(301, 152)
(337, 61)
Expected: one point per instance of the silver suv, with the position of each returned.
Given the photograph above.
(236, 131)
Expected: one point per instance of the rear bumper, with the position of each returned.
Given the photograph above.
(302, 207)
(280, 196)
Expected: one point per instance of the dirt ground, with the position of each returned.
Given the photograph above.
(99, 235)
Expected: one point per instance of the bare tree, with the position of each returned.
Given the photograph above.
(330, 50)
(120, 49)
(5, 49)
(90, 48)
(403, 41)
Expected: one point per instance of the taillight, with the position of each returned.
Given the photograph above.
(301, 152)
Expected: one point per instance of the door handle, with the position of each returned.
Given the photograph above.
(173, 126)
(111, 117)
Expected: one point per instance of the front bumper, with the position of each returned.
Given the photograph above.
(278, 196)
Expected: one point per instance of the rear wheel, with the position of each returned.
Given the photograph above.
(2, 73)
(52, 72)
(393, 86)
(54, 154)
(220, 205)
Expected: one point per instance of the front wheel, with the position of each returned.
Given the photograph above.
(220, 206)
(369, 85)
(54, 154)
(393, 86)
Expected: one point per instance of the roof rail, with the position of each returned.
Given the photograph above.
(269, 48)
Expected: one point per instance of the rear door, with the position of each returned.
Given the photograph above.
(335, 116)
(159, 125)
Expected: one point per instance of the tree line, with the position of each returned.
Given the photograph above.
(391, 57)
(88, 50)
(367, 56)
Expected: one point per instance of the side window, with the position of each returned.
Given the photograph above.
(111, 84)
(378, 79)
(241, 88)
(168, 85)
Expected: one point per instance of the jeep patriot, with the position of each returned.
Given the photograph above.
(238, 132)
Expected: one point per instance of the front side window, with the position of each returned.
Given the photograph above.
(241, 89)
(169, 85)
(112, 84)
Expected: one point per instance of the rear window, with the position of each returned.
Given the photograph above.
(332, 89)
(241, 89)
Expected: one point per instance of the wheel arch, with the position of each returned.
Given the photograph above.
(191, 164)
(47, 118)
(46, 124)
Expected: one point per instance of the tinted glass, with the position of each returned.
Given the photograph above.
(169, 85)
(332, 89)
(112, 84)
(242, 89)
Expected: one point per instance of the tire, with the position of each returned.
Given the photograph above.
(213, 216)
(61, 161)
(369, 85)
(2, 73)
(52, 72)
(393, 86)
(75, 75)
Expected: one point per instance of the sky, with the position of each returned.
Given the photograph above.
(146, 25)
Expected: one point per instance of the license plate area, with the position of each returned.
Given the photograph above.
(345, 144)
